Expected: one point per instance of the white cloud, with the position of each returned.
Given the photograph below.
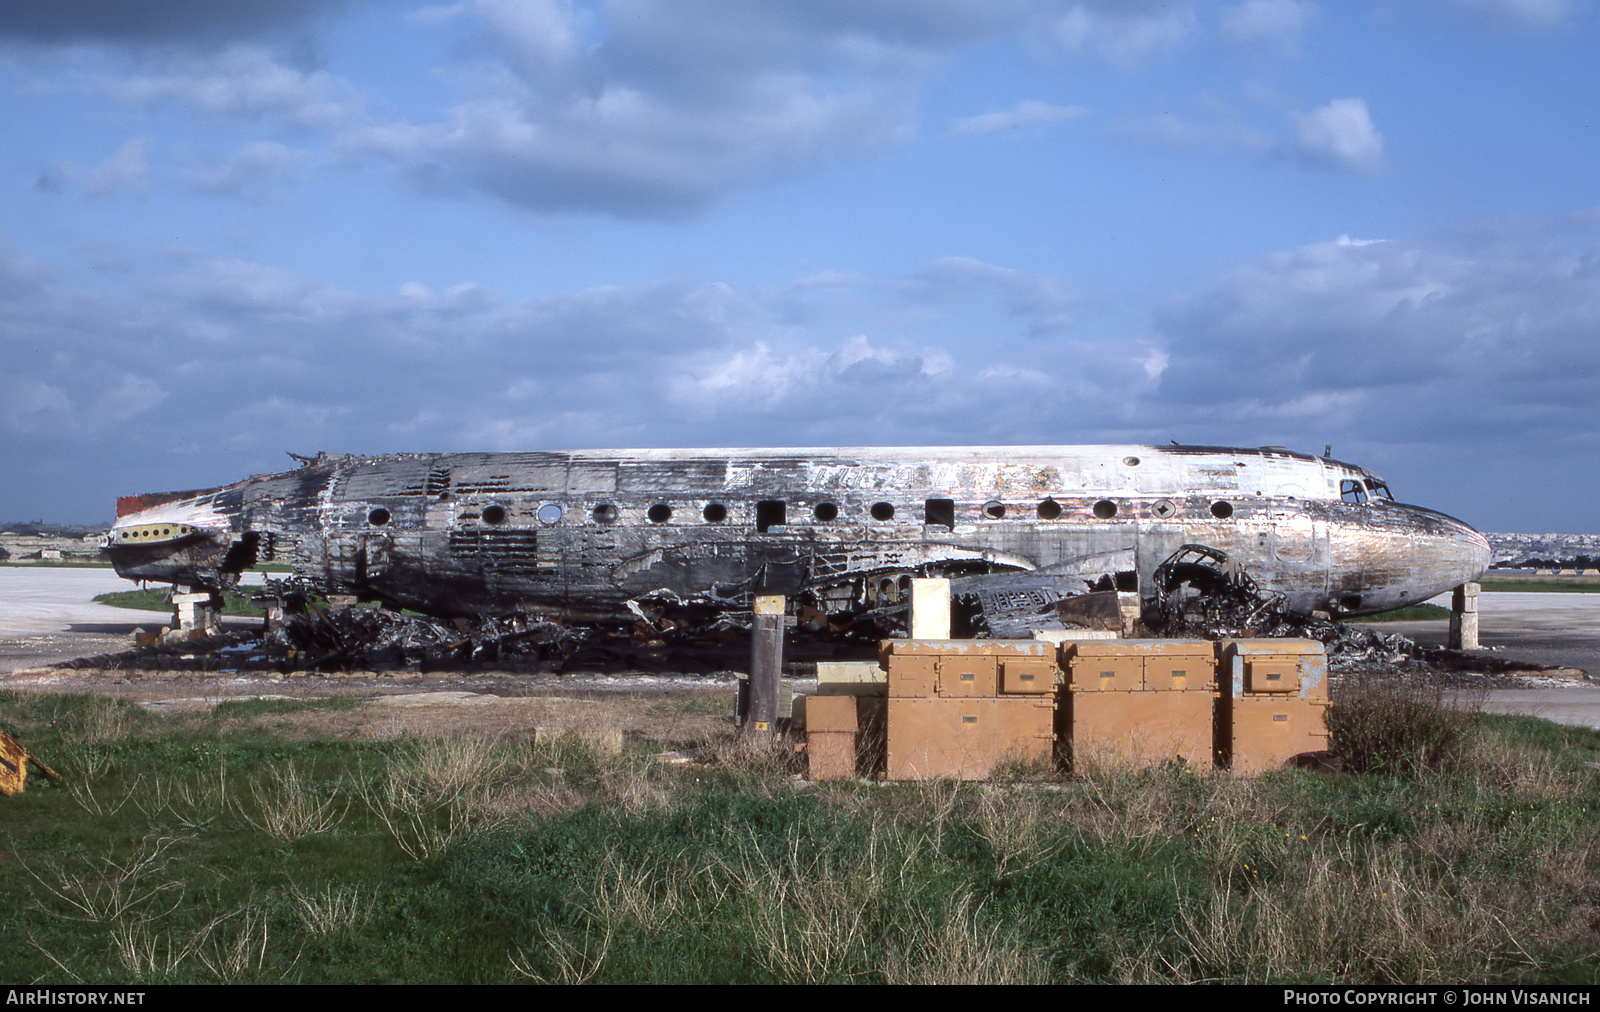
(1275, 25)
(1125, 33)
(1341, 135)
(259, 172)
(126, 168)
(1023, 114)
(245, 83)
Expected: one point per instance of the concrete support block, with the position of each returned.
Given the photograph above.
(930, 609)
(1129, 609)
(1464, 617)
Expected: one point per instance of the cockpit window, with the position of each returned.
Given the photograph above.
(1352, 492)
(1379, 489)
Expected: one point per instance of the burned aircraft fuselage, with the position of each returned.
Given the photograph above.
(596, 535)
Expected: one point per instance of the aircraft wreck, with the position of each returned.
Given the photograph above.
(688, 538)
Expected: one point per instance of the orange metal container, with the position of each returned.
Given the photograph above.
(1268, 731)
(1142, 728)
(1027, 676)
(966, 738)
(1277, 666)
(966, 677)
(913, 676)
(1180, 666)
(831, 713)
(830, 755)
(1104, 666)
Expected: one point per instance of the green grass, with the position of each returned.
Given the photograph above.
(199, 849)
(1411, 613)
(159, 599)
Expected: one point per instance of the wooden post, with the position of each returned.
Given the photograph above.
(1464, 617)
(766, 664)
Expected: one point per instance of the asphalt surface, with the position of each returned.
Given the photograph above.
(49, 615)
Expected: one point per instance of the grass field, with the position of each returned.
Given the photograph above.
(219, 847)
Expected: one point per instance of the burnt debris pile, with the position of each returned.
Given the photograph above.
(378, 637)
(1203, 594)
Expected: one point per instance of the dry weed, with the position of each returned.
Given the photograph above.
(576, 962)
(650, 900)
(116, 889)
(288, 807)
(958, 948)
(334, 909)
(1014, 824)
(811, 917)
(437, 789)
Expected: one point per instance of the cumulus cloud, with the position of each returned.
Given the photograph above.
(125, 169)
(241, 83)
(261, 171)
(1126, 33)
(657, 110)
(1340, 135)
(1023, 114)
(1275, 25)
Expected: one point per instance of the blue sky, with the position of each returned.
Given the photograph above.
(228, 230)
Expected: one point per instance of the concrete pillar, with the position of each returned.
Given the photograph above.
(930, 609)
(1464, 617)
(196, 613)
(766, 664)
(1128, 611)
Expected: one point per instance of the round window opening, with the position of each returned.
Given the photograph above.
(1049, 509)
(605, 513)
(882, 511)
(549, 513)
(715, 513)
(1131, 461)
(660, 513)
(1221, 510)
(1105, 509)
(826, 512)
(494, 515)
(378, 517)
(994, 509)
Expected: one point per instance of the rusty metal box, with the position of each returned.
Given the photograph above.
(968, 676)
(1141, 728)
(830, 755)
(831, 713)
(1274, 666)
(1027, 676)
(966, 738)
(1180, 666)
(1104, 666)
(1268, 731)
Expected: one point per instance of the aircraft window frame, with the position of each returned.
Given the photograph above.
(939, 513)
(714, 513)
(1105, 509)
(659, 513)
(378, 517)
(605, 513)
(825, 512)
(1222, 509)
(882, 511)
(1351, 492)
(994, 509)
(1049, 509)
(1379, 490)
(494, 514)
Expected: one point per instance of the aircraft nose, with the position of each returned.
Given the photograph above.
(1449, 551)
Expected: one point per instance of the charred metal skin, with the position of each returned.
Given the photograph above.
(607, 535)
